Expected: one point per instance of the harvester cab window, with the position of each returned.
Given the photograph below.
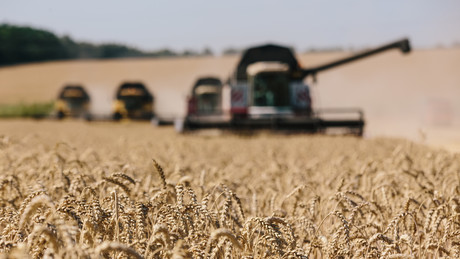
(134, 93)
(74, 96)
(271, 89)
(73, 93)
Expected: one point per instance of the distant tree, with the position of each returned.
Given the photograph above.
(80, 50)
(25, 44)
(189, 53)
(88, 50)
(324, 49)
(162, 53)
(118, 51)
(231, 51)
(19, 44)
(207, 52)
(70, 46)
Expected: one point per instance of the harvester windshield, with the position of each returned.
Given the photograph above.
(74, 96)
(134, 95)
(73, 92)
(271, 89)
(207, 98)
(269, 83)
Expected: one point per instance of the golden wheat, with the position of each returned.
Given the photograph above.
(224, 197)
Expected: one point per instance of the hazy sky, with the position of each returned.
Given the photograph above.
(150, 24)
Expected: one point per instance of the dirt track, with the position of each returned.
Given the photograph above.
(413, 96)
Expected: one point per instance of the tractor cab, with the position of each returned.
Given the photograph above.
(72, 101)
(205, 98)
(133, 100)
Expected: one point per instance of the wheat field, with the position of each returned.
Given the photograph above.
(128, 190)
(399, 94)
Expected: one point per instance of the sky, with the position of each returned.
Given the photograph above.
(303, 24)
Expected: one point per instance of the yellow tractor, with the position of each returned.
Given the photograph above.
(73, 101)
(134, 101)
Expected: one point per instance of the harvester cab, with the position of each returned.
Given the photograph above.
(272, 94)
(268, 91)
(134, 101)
(206, 97)
(73, 101)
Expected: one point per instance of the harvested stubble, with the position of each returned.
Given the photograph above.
(227, 197)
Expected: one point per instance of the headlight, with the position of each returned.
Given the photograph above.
(61, 106)
(119, 106)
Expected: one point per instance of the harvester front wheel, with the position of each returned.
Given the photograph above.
(60, 115)
(117, 116)
(88, 117)
(360, 132)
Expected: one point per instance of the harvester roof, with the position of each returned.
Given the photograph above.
(208, 82)
(269, 66)
(269, 52)
(73, 91)
(132, 89)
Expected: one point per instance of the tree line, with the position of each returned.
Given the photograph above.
(22, 44)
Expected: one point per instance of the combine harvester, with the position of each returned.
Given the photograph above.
(206, 98)
(73, 101)
(268, 91)
(132, 101)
